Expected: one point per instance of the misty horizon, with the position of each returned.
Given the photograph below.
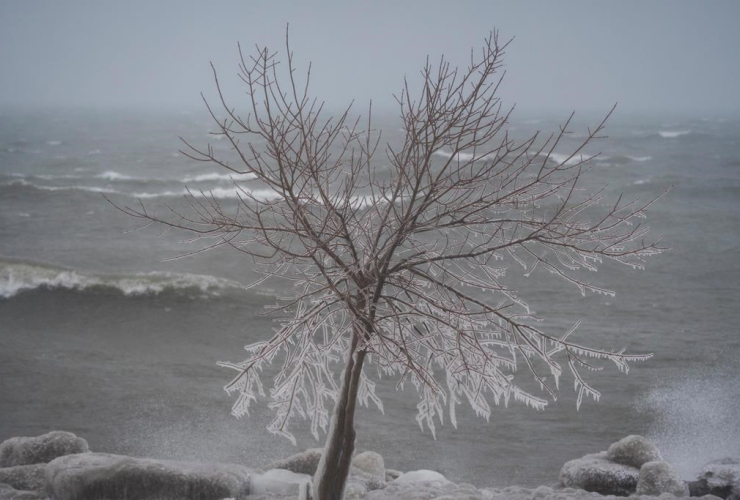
(671, 58)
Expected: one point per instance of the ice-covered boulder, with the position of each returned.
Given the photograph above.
(633, 450)
(659, 477)
(305, 462)
(596, 473)
(24, 477)
(421, 476)
(425, 490)
(40, 449)
(281, 482)
(7, 492)
(93, 476)
(720, 478)
(370, 462)
(392, 474)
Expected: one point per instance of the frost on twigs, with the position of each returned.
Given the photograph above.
(416, 271)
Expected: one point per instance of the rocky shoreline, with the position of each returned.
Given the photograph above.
(60, 466)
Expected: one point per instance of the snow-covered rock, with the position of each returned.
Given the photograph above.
(426, 490)
(720, 478)
(596, 473)
(354, 490)
(421, 476)
(92, 476)
(24, 477)
(40, 449)
(281, 482)
(7, 492)
(633, 450)
(368, 481)
(370, 462)
(305, 462)
(391, 474)
(659, 477)
(546, 493)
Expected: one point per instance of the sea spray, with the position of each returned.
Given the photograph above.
(695, 418)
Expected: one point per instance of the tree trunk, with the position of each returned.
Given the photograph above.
(333, 469)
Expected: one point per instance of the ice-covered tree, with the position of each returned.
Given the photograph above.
(401, 255)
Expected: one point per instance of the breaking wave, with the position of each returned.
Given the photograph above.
(218, 192)
(215, 176)
(17, 277)
(91, 189)
(463, 156)
(113, 176)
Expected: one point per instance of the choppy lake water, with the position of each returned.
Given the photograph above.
(100, 336)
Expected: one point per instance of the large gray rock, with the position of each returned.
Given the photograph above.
(96, 476)
(720, 478)
(370, 462)
(305, 462)
(7, 492)
(633, 450)
(24, 477)
(596, 473)
(40, 449)
(659, 477)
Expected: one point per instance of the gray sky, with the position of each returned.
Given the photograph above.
(657, 56)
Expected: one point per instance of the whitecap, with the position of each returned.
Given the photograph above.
(111, 175)
(219, 193)
(91, 189)
(16, 277)
(640, 158)
(465, 157)
(215, 176)
(672, 134)
(641, 181)
(54, 143)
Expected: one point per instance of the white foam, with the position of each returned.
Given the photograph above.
(215, 176)
(563, 159)
(641, 181)
(640, 158)
(111, 175)
(18, 277)
(91, 189)
(463, 156)
(219, 193)
(672, 134)
(54, 143)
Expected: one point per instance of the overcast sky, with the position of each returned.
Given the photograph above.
(658, 56)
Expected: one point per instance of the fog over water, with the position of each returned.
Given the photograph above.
(668, 56)
(101, 336)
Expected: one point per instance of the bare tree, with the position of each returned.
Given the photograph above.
(404, 268)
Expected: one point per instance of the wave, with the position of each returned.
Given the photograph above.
(215, 176)
(219, 193)
(91, 189)
(17, 277)
(463, 156)
(672, 134)
(111, 175)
